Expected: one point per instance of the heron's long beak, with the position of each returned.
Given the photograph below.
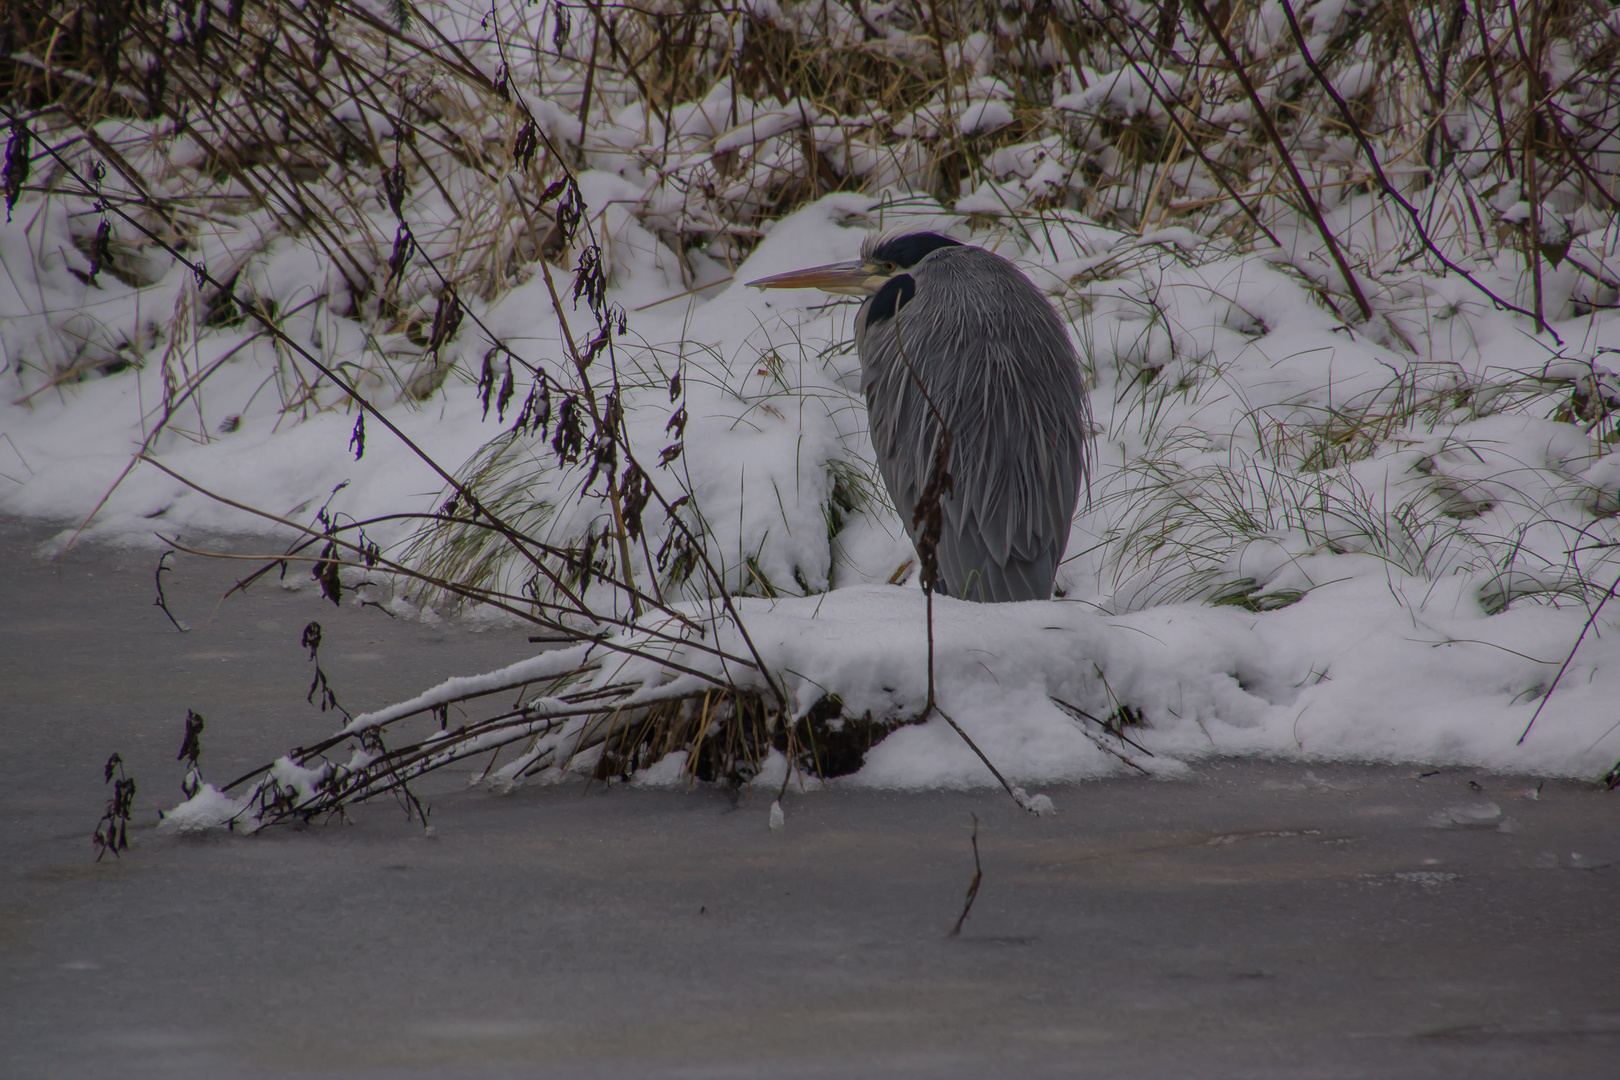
(847, 279)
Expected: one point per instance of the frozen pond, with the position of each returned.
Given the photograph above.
(1255, 919)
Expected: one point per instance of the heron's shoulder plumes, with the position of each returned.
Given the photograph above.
(973, 287)
(903, 248)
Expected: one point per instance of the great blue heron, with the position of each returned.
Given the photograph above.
(961, 330)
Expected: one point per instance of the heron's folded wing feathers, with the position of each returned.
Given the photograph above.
(996, 362)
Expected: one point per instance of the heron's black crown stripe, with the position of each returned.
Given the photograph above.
(887, 301)
(907, 251)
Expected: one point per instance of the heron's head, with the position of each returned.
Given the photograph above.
(882, 257)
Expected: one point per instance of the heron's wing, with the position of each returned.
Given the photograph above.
(994, 358)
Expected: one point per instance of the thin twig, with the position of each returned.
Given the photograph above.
(1384, 182)
(161, 601)
(926, 518)
(973, 885)
(1585, 629)
(1304, 190)
(1080, 714)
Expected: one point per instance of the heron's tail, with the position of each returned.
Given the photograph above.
(972, 574)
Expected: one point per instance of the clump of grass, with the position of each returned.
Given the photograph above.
(1185, 512)
(577, 714)
(457, 548)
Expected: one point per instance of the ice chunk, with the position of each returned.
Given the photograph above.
(1467, 815)
(1039, 805)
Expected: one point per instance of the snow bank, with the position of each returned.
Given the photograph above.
(1307, 536)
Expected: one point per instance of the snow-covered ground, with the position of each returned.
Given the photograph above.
(1388, 654)
(1307, 536)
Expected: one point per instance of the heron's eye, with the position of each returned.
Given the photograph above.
(890, 267)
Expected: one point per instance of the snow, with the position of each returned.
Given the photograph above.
(1418, 496)
(545, 666)
(980, 116)
(210, 808)
(1356, 80)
